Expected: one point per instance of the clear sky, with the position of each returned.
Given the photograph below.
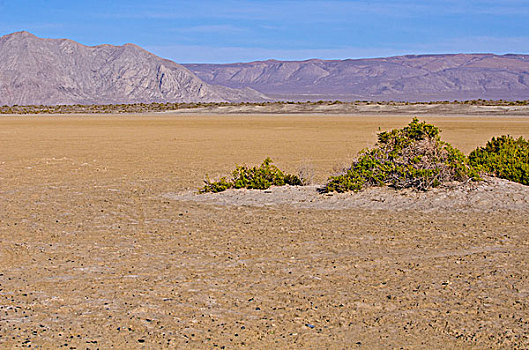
(232, 31)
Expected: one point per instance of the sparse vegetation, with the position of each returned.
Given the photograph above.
(504, 157)
(258, 177)
(412, 157)
(163, 107)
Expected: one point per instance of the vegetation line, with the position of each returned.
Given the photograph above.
(164, 107)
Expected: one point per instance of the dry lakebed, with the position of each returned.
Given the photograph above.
(105, 243)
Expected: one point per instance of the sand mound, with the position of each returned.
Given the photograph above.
(492, 194)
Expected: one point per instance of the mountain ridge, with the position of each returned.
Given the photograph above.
(61, 71)
(407, 78)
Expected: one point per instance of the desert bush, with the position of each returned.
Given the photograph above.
(504, 157)
(261, 178)
(412, 157)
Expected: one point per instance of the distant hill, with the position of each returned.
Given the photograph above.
(61, 71)
(404, 78)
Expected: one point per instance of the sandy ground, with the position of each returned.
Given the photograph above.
(103, 242)
(361, 109)
(488, 195)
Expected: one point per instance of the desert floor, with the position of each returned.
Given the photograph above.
(102, 243)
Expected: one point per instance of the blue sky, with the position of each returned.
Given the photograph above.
(233, 31)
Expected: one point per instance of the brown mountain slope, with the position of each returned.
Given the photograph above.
(60, 71)
(409, 78)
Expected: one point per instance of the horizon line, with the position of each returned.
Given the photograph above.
(222, 62)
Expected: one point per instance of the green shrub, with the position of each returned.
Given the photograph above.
(504, 157)
(261, 178)
(413, 157)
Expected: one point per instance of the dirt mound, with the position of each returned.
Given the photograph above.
(492, 194)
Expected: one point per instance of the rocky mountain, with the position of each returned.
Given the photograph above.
(61, 71)
(404, 78)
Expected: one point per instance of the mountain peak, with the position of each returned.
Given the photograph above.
(22, 33)
(19, 36)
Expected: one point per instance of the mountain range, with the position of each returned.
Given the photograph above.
(403, 78)
(35, 71)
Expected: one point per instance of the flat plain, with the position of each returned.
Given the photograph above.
(94, 254)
